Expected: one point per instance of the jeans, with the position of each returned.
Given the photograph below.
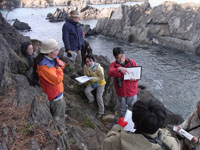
(126, 103)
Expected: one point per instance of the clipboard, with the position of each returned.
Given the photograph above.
(134, 72)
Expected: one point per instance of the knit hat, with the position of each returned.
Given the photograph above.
(74, 13)
(48, 46)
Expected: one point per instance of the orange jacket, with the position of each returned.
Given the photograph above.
(50, 77)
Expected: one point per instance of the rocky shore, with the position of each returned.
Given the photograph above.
(170, 24)
(26, 122)
(4, 4)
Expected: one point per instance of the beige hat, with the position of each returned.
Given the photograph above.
(48, 46)
(74, 13)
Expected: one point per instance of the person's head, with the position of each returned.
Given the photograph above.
(50, 48)
(27, 48)
(89, 60)
(36, 44)
(198, 108)
(148, 116)
(119, 55)
(74, 15)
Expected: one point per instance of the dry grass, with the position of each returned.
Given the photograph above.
(10, 115)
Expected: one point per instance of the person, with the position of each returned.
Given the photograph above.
(192, 125)
(72, 36)
(126, 89)
(149, 117)
(26, 58)
(94, 70)
(36, 47)
(49, 70)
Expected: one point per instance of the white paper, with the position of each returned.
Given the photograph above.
(83, 79)
(134, 73)
(184, 133)
(128, 118)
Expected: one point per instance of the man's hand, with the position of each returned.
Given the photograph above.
(60, 64)
(195, 139)
(69, 52)
(123, 70)
(133, 79)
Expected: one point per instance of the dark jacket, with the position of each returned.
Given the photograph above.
(72, 35)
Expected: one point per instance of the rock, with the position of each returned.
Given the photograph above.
(108, 118)
(88, 31)
(57, 16)
(40, 112)
(9, 4)
(45, 3)
(21, 25)
(169, 24)
(172, 119)
(4, 139)
(34, 144)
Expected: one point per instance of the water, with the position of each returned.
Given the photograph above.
(172, 76)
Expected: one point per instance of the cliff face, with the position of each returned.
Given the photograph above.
(169, 24)
(45, 3)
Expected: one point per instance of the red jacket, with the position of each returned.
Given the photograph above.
(129, 88)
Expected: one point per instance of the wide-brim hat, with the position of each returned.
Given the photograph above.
(48, 46)
(74, 13)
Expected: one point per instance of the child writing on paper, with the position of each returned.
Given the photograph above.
(192, 125)
(93, 69)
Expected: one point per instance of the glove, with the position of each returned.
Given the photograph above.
(121, 122)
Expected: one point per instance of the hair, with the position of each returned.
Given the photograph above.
(24, 47)
(198, 104)
(117, 51)
(37, 61)
(90, 56)
(148, 116)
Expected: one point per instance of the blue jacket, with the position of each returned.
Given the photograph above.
(72, 35)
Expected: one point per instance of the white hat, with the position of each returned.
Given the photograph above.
(74, 13)
(48, 46)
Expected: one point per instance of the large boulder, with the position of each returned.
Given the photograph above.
(21, 25)
(9, 4)
(169, 24)
(57, 16)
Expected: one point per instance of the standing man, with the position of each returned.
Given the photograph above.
(72, 36)
(126, 89)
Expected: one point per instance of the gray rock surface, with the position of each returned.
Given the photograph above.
(169, 24)
(22, 26)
